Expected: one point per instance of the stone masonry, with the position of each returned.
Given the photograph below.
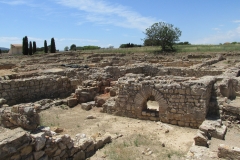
(182, 102)
(35, 88)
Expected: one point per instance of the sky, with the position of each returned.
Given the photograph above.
(107, 23)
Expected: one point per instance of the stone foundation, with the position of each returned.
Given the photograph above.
(35, 88)
(181, 102)
(18, 144)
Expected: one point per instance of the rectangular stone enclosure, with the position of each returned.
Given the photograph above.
(182, 101)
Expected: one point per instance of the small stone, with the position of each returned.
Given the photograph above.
(167, 131)
(91, 117)
(58, 130)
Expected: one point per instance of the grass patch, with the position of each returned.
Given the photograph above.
(132, 148)
(177, 49)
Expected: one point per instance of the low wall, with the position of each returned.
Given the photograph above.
(35, 88)
(182, 103)
(159, 70)
(45, 144)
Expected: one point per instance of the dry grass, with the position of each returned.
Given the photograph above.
(142, 147)
(137, 135)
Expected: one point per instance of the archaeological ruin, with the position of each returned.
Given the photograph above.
(187, 90)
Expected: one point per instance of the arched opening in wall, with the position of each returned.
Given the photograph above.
(152, 105)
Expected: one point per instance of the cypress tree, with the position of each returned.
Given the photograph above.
(45, 47)
(26, 46)
(23, 45)
(34, 47)
(0, 51)
(53, 47)
(30, 48)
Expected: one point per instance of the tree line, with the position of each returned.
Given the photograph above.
(129, 45)
(73, 47)
(29, 48)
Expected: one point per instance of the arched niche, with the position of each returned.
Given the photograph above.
(143, 96)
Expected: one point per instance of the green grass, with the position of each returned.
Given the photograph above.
(178, 48)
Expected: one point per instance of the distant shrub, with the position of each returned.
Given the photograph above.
(87, 47)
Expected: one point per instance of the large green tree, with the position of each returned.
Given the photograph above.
(162, 34)
(73, 47)
(45, 47)
(34, 50)
(53, 46)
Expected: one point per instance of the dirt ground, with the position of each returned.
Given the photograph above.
(140, 139)
(4, 72)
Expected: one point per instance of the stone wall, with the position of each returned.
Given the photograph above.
(182, 102)
(159, 70)
(31, 89)
(18, 144)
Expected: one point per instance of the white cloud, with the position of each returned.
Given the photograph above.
(34, 6)
(75, 39)
(10, 40)
(236, 21)
(229, 36)
(35, 39)
(18, 2)
(102, 12)
(216, 29)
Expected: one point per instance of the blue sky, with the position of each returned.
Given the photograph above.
(104, 22)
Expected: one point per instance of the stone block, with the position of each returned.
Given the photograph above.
(26, 150)
(72, 102)
(180, 123)
(38, 155)
(113, 92)
(18, 138)
(86, 106)
(40, 140)
(228, 152)
(99, 144)
(79, 156)
(201, 140)
(106, 139)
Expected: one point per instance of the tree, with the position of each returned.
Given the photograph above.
(45, 47)
(30, 48)
(53, 47)
(163, 34)
(149, 42)
(129, 45)
(25, 45)
(0, 51)
(73, 47)
(66, 48)
(34, 50)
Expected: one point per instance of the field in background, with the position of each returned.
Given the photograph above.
(156, 49)
(178, 48)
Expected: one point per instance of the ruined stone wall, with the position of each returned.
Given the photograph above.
(183, 103)
(45, 144)
(30, 89)
(159, 70)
